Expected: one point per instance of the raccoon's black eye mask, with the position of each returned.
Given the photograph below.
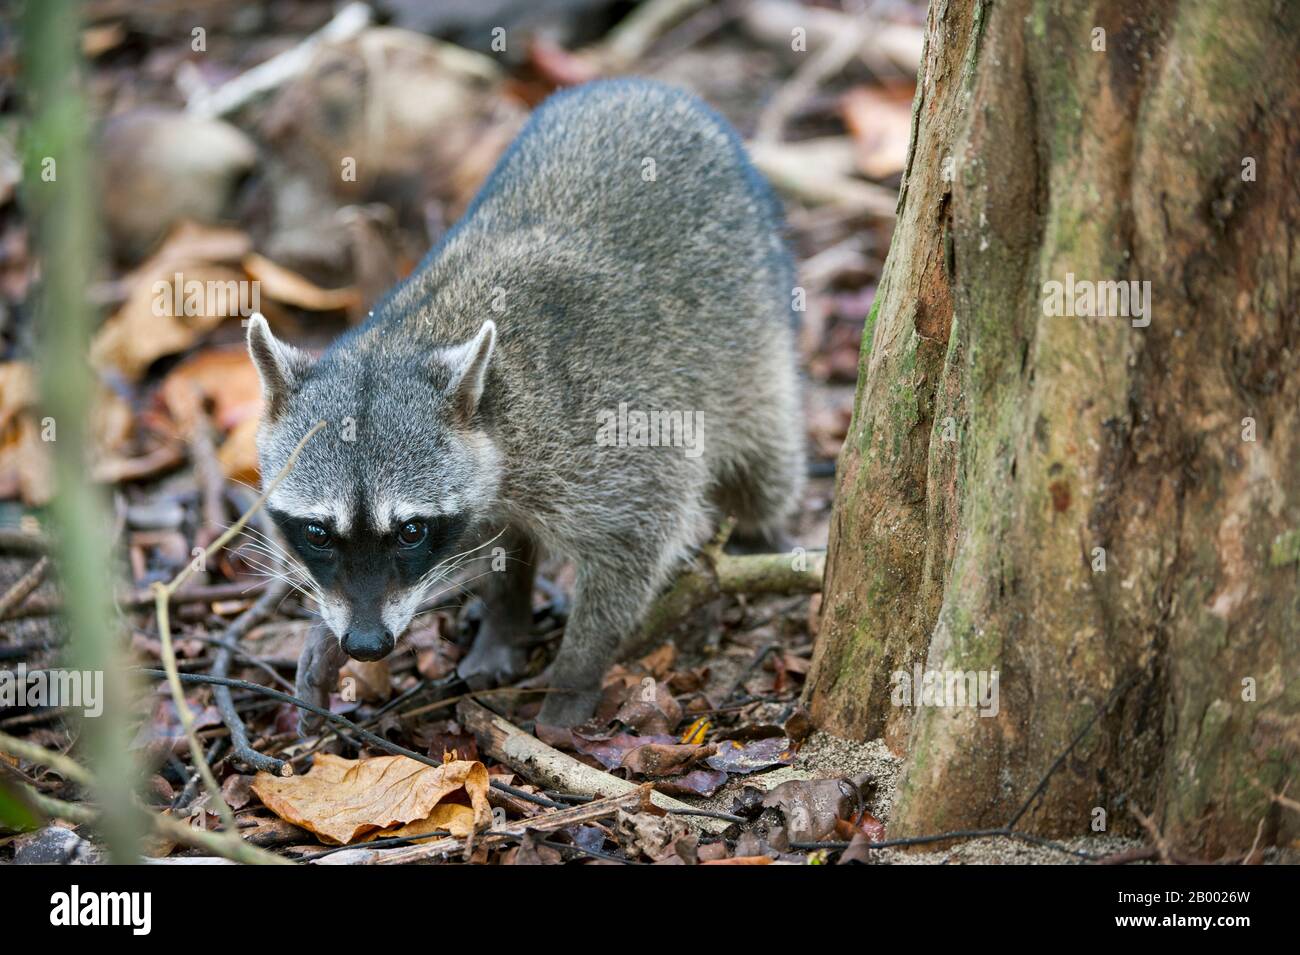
(409, 550)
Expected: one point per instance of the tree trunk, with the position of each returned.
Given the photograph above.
(1098, 509)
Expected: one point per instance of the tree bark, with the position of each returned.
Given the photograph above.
(1095, 508)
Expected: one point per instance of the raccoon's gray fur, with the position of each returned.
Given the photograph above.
(623, 257)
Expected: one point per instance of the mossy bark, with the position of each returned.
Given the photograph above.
(1000, 454)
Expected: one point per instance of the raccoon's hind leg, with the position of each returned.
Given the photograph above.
(761, 491)
(500, 651)
(760, 466)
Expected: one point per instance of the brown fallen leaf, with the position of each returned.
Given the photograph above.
(225, 379)
(698, 782)
(867, 825)
(814, 808)
(285, 285)
(237, 790)
(655, 837)
(370, 681)
(881, 123)
(650, 709)
(238, 453)
(149, 324)
(25, 467)
(733, 757)
(609, 751)
(345, 800)
(665, 759)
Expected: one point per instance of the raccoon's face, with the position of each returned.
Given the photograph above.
(378, 505)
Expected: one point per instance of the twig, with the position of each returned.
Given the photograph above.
(628, 42)
(228, 845)
(26, 584)
(578, 815)
(186, 715)
(242, 751)
(227, 98)
(185, 795)
(377, 844)
(814, 71)
(376, 741)
(163, 594)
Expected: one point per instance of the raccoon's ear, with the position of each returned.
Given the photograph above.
(281, 367)
(469, 363)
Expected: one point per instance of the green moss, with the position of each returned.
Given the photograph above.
(1286, 549)
(869, 330)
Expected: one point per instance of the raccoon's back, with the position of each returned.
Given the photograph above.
(644, 172)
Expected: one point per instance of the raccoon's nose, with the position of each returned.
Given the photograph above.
(368, 645)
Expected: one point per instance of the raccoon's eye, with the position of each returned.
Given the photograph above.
(412, 533)
(316, 535)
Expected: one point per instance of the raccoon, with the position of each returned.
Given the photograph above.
(597, 362)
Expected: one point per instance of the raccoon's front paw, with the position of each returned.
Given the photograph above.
(568, 707)
(318, 675)
(492, 663)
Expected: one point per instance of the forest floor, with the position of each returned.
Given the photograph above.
(249, 189)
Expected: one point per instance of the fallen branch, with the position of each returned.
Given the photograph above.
(815, 70)
(549, 768)
(135, 600)
(884, 46)
(21, 542)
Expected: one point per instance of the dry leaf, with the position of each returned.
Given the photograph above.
(664, 759)
(881, 123)
(284, 285)
(148, 325)
(238, 453)
(344, 800)
(225, 379)
(24, 458)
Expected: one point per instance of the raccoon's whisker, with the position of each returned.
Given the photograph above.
(471, 550)
(269, 541)
(274, 567)
(271, 574)
(459, 585)
(291, 576)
